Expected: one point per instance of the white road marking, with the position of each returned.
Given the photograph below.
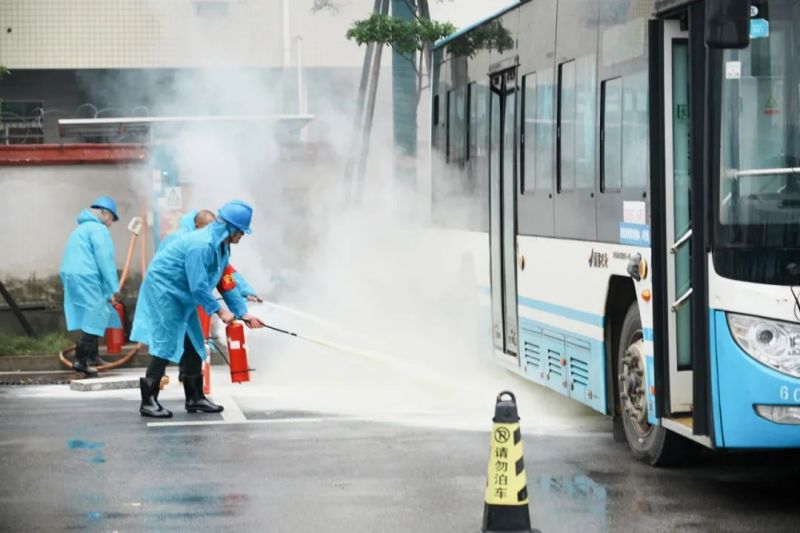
(230, 423)
(231, 413)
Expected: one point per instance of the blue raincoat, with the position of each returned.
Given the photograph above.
(89, 275)
(187, 226)
(244, 288)
(182, 276)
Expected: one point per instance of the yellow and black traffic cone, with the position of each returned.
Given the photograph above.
(506, 501)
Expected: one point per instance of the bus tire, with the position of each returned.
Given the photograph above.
(651, 444)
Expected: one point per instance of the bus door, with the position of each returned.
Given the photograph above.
(677, 165)
(502, 212)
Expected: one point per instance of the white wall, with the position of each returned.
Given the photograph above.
(40, 204)
(78, 34)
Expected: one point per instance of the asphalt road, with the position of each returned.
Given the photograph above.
(88, 461)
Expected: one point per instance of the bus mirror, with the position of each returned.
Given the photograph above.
(727, 23)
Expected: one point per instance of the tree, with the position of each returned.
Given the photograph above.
(411, 39)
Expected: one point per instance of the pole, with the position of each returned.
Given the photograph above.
(358, 116)
(370, 113)
(17, 311)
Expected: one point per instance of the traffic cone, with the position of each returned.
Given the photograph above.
(506, 500)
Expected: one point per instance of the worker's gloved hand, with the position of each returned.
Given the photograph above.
(253, 322)
(254, 298)
(226, 316)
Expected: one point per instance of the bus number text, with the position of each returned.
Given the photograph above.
(787, 394)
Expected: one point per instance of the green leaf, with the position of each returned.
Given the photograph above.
(404, 36)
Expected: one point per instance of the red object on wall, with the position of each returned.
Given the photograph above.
(115, 337)
(237, 353)
(72, 154)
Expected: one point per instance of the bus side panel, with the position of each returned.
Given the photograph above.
(562, 296)
(742, 382)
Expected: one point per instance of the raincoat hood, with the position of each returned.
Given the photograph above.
(187, 221)
(220, 230)
(88, 216)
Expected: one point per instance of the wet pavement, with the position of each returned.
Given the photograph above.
(88, 461)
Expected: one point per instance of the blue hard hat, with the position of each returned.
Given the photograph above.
(238, 214)
(108, 203)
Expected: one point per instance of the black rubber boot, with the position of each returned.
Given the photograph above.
(195, 399)
(96, 360)
(88, 348)
(81, 363)
(150, 407)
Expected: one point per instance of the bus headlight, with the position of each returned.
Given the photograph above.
(780, 414)
(773, 343)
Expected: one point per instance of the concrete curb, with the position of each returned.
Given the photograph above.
(104, 383)
(42, 362)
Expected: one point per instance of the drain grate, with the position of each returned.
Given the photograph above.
(36, 378)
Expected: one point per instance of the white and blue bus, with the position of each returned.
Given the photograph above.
(627, 176)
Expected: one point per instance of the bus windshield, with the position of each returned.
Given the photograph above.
(759, 193)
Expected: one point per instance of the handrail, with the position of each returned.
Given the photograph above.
(762, 172)
(680, 242)
(682, 300)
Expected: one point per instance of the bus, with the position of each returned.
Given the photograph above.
(626, 175)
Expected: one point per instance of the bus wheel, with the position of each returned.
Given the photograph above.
(651, 444)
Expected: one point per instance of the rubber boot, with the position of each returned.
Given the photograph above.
(150, 406)
(94, 357)
(81, 363)
(89, 348)
(195, 399)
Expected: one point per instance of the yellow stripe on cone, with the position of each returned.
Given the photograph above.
(506, 483)
(506, 500)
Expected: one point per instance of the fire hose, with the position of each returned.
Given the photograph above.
(135, 227)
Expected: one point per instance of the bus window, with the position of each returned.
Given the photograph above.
(435, 114)
(528, 133)
(544, 130)
(477, 120)
(566, 126)
(611, 137)
(456, 124)
(635, 130)
(585, 121)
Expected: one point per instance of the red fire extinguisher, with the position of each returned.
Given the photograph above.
(205, 325)
(237, 351)
(115, 337)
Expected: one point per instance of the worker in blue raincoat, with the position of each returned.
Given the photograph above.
(182, 276)
(91, 286)
(198, 219)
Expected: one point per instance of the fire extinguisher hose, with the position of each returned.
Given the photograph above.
(62, 356)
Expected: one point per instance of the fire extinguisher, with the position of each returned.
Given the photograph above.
(115, 337)
(205, 325)
(237, 352)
